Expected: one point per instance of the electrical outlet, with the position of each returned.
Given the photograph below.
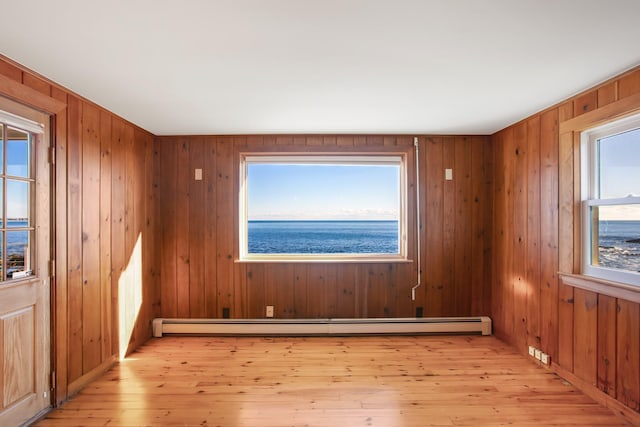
(269, 311)
(532, 351)
(544, 358)
(448, 174)
(538, 354)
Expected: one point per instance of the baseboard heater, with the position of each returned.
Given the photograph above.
(290, 327)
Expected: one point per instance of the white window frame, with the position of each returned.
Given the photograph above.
(322, 158)
(591, 197)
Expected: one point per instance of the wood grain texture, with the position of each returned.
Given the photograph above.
(457, 213)
(628, 351)
(91, 291)
(74, 238)
(591, 336)
(355, 381)
(607, 339)
(89, 207)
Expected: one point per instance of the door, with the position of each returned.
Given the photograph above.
(25, 332)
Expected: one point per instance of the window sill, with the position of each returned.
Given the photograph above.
(324, 261)
(601, 286)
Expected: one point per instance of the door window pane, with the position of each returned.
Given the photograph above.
(18, 256)
(17, 201)
(18, 153)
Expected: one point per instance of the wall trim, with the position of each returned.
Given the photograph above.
(31, 97)
(616, 110)
(596, 394)
(603, 287)
(89, 377)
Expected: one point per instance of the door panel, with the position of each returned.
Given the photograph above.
(18, 330)
(25, 326)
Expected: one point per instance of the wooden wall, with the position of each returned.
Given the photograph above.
(103, 202)
(592, 337)
(198, 243)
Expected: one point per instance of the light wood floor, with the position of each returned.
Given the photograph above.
(330, 381)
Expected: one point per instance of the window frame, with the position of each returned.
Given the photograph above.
(323, 158)
(33, 131)
(590, 173)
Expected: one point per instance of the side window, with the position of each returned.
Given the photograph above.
(315, 207)
(611, 201)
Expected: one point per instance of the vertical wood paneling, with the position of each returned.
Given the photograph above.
(607, 94)
(168, 259)
(498, 246)
(105, 233)
(628, 354)
(480, 191)
(285, 290)
(433, 260)
(118, 201)
(462, 215)
(607, 338)
(585, 103)
(532, 239)
(182, 200)
(346, 292)
(87, 206)
(300, 291)
(629, 84)
(224, 225)
(585, 340)
(592, 336)
(549, 232)
(448, 231)
(509, 150)
(256, 300)
(197, 298)
(74, 237)
(327, 290)
(91, 290)
(209, 230)
(316, 291)
(519, 246)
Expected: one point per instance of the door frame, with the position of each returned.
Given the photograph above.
(56, 110)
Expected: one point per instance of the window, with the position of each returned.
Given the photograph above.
(16, 189)
(322, 207)
(611, 205)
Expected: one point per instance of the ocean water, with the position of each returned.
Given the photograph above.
(323, 237)
(619, 245)
(16, 240)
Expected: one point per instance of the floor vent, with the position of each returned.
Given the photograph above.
(425, 325)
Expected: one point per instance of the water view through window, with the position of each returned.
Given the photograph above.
(335, 206)
(16, 228)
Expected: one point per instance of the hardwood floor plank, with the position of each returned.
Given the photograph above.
(330, 381)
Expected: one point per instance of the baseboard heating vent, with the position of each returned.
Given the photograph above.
(424, 325)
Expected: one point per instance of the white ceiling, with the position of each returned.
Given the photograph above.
(323, 66)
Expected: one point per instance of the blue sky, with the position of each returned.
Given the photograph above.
(313, 192)
(620, 173)
(17, 191)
